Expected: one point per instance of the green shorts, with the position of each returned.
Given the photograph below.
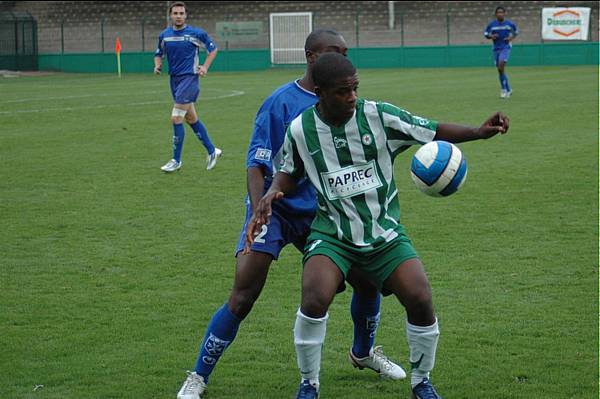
(378, 263)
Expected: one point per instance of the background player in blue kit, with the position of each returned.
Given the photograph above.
(289, 224)
(502, 32)
(181, 44)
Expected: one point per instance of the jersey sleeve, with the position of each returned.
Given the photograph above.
(515, 31)
(404, 129)
(488, 31)
(206, 40)
(160, 48)
(291, 163)
(260, 152)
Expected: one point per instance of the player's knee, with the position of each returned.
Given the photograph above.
(190, 119)
(241, 303)
(176, 120)
(314, 305)
(418, 300)
(178, 115)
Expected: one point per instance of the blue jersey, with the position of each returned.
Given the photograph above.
(272, 120)
(181, 47)
(504, 30)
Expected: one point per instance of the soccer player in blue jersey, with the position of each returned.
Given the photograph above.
(290, 224)
(502, 32)
(181, 44)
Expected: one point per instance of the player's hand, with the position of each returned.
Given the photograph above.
(157, 70)
(494, 36)
(202, 71)
(497, 123)
(260, 217)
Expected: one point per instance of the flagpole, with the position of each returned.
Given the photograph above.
(119, 64)
(118, 52)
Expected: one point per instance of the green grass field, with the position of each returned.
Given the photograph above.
(110, 269)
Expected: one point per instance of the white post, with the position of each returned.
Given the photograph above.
(391, 20)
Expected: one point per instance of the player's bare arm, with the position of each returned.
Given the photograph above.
(157, 65)
(497, 123)
(203, 69)
(255, 181)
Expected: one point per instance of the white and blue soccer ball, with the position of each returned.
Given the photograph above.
(438, 169)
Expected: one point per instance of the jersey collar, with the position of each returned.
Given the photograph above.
(303, 89)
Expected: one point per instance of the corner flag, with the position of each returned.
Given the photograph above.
(118, 52)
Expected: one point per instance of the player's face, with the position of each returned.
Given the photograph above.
(178, 16)
(336, 46)
(339, 100)
(500, 15)
(330, 44)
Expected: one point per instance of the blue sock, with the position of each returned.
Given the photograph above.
(202, 135)
(178, 136)
(506, 83)
(365, 314)
(220, 333)
(503, 81)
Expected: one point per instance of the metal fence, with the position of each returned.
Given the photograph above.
(94, 27)
(18, 41)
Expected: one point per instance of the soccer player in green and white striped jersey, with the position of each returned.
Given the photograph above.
(346, 146)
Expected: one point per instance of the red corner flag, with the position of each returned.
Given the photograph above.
(118, 46)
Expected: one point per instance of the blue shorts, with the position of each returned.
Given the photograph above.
(283, 229)
(185, 88)
(501, 55)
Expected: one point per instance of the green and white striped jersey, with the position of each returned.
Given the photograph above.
(352, 168)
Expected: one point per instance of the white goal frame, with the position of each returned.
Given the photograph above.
(287, 34)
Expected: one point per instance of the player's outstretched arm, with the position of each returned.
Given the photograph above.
(497, 123)
(282, 184)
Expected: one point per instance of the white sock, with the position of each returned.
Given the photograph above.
(422, 342)
(309, 335)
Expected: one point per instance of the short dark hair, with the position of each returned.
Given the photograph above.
(329, 67)
(177, 4)
(313, 41)
(499, 8)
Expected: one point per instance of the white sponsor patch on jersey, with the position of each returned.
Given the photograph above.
(350, 181)
(263, 154)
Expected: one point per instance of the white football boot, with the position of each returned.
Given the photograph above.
(503, 93)
(378, 362)
(171, 166)
(211, 160)
(193, 387)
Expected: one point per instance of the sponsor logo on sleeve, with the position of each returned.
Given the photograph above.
(263, 154)
(350, 181)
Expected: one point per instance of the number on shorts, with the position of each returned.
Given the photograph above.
(263, 232)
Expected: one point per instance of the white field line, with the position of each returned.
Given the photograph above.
(32, 99)
(232, 93)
